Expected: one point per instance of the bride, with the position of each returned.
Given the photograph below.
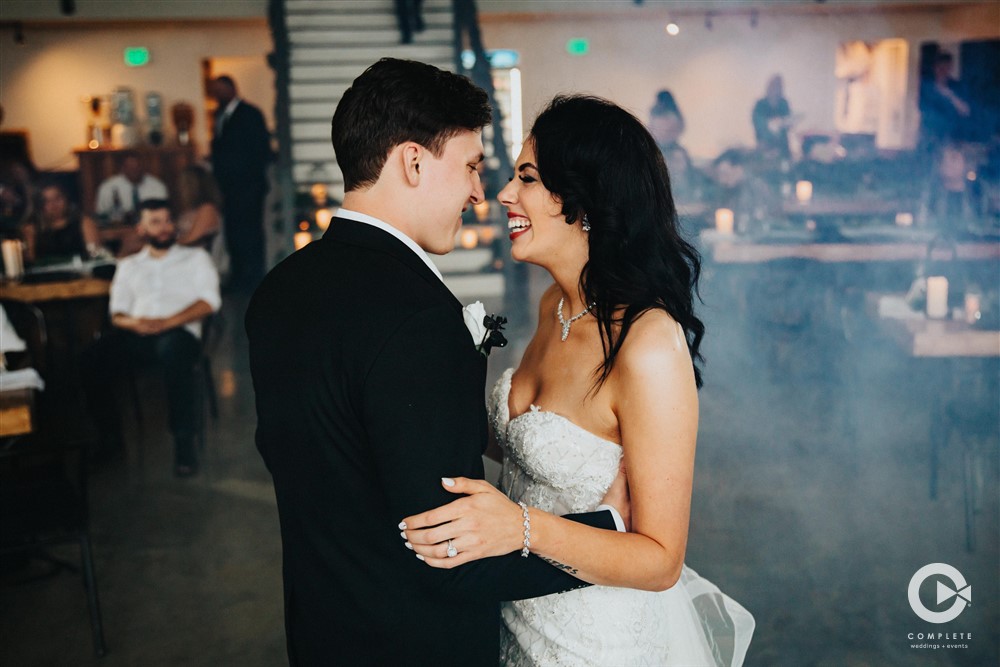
(609, 375)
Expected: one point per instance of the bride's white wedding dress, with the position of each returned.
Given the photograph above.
(554, 465)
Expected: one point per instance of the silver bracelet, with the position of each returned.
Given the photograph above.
(527, 530)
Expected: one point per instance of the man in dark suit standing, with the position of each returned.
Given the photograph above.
(241, 151)
(370, 389)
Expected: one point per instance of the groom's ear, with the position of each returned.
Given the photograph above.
(411, 154)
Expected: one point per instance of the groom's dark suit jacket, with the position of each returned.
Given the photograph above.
(369, 390)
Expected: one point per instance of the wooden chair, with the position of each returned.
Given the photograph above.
(29, 322)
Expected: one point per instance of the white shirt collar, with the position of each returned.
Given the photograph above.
(231, 107)
(386, 227)
(147, 255)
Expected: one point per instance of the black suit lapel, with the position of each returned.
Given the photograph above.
(360, 234)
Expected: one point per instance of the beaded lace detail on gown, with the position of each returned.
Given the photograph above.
(554, 465)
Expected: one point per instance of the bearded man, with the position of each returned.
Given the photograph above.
(159, 297)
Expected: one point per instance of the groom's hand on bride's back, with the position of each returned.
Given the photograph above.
(618, 496)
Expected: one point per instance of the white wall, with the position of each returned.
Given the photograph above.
(716, 75)
(43, 81)
(88, 10)
(572, 6)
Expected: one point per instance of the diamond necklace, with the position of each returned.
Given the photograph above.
(566, 324)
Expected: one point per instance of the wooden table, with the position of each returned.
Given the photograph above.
(81, 288)
(820, 207)
(75, 312)
(943, 339)
(922, 337)
(15, 412)
(942, 342)
(731, 249)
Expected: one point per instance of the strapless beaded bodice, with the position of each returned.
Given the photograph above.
(554, 465)
(550, 462)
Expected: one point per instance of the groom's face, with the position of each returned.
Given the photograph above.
(450, 184)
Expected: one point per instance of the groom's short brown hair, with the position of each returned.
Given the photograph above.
(395, 101)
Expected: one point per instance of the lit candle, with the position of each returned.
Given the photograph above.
(972, 308)
(482, 210)
(904, 219)
(469, 238)
(319, 194)
(323, 217)
(724, 221)
(803, 191)
(487, 233)
(13, 258)
(302, 237)
(937, 297)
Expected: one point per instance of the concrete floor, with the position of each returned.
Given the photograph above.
(811, 508)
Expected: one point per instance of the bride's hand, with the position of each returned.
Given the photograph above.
(484, 523)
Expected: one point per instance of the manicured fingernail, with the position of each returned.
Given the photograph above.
(419, 557)
(402, 525)
(448, 481)
(402, 534)
(408, 546)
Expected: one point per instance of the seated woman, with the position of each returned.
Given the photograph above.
(57, 230)
(198, 201)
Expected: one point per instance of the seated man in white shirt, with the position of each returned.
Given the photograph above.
(159, 298)
(120, 195)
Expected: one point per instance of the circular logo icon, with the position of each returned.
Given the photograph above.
(959, 589)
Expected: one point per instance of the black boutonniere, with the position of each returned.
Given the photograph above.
(494, 336)
(486, 329)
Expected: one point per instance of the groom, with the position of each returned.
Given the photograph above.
(369, 389)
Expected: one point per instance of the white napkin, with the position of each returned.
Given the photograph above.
(9, 340)
(25, 378)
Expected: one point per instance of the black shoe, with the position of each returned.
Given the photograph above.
(185, 461)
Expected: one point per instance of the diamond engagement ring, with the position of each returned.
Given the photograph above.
(452, 551)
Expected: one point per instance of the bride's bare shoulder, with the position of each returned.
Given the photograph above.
(655, 344)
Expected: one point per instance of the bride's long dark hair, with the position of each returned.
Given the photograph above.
(602, 162)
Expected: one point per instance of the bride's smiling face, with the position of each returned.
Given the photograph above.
(537, 227)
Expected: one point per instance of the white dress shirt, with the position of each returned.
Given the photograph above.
(155, 287)
(150, 187)
(386, 227)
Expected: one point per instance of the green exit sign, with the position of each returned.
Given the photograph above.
(577, 47)
(136, 56)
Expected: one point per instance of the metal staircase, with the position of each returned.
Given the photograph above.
(332, 42)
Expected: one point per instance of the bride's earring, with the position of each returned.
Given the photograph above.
(586, 223)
